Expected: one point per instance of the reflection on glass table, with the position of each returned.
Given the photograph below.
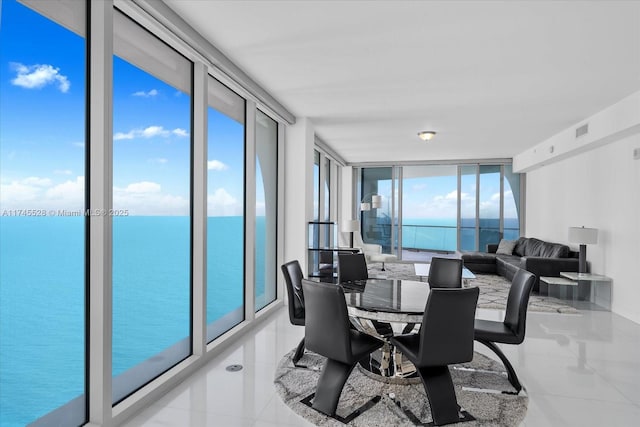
(384, 308)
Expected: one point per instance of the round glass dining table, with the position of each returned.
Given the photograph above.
(384, 308)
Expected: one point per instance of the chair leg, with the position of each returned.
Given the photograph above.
(511, 373)
(299, 352)
(383, 266)
(442, 396)
(332, 380)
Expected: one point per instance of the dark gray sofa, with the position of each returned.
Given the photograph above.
(539, 257)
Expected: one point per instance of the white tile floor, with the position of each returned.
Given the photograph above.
(579, 370)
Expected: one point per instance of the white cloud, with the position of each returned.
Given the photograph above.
(216, 165)
(14, 195)
(153, 131)
(36, 181)
(147, 198)
(63, 172)
(143, 187)
(150, 132)
(149, 94)
(38, 76)
(139, 198)
(68, 195)
(159, 161)
(180, 132)
(118, 136)
(41, 193)
(221, 203)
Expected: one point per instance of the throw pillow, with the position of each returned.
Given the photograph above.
(505, 247)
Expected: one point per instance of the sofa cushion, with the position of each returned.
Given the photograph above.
(536, 247)
(554, 250)
(506, 247)
(520, 245)
(479, 258)
(533, 247)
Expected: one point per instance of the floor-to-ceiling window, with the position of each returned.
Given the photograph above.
(468, 212)
(441, 207)
(489, 199)
(429, 207)
(511, 208)
(327, 189)
(225, 209)
(151, 201)
(42, 220)
(266, 208)
(316, 186)
(376, 207)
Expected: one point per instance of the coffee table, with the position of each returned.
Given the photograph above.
(422, 271)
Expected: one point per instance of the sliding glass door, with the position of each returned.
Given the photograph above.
(152, 207)
(377, 210)
(225, 209)
(429, 208)
(266, 209)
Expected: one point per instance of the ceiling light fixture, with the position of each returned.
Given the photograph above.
(426, 135)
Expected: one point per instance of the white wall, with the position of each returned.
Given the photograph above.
(599, 187)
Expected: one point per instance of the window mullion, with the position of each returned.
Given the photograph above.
(99, 184)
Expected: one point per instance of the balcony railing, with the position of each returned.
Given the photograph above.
(429, 237)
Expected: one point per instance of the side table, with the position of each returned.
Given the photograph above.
(561, 288)
(596, 287)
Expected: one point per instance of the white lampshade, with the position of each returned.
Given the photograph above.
(376, 201)
(365, 206)
(583, 235)
(350, 226)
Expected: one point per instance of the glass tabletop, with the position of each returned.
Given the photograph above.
(387, 295)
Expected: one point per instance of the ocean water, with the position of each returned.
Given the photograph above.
(42, 300)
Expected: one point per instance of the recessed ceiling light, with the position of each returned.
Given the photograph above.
(426, 135)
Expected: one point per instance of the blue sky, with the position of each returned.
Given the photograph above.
(436, 197)
(42, 129)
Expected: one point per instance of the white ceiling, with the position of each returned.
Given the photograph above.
(493, 78)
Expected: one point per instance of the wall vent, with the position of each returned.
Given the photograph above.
(582, 130)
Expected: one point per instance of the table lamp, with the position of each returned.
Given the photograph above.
(583, 236)
(350, 226)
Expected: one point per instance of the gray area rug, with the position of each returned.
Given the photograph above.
(493, 288)
(490, 409)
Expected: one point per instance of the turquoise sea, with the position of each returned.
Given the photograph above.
(42, 300)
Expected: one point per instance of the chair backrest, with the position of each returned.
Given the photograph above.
(293, 280)
(516, 312)
(326, 329)
(445, 273)
(447, 331)
(352, 267)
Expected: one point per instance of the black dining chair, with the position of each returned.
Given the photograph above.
(293, 281)
(328, 333)
(445, 273)
(445, 338)
(352, 268)
(512, 329)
